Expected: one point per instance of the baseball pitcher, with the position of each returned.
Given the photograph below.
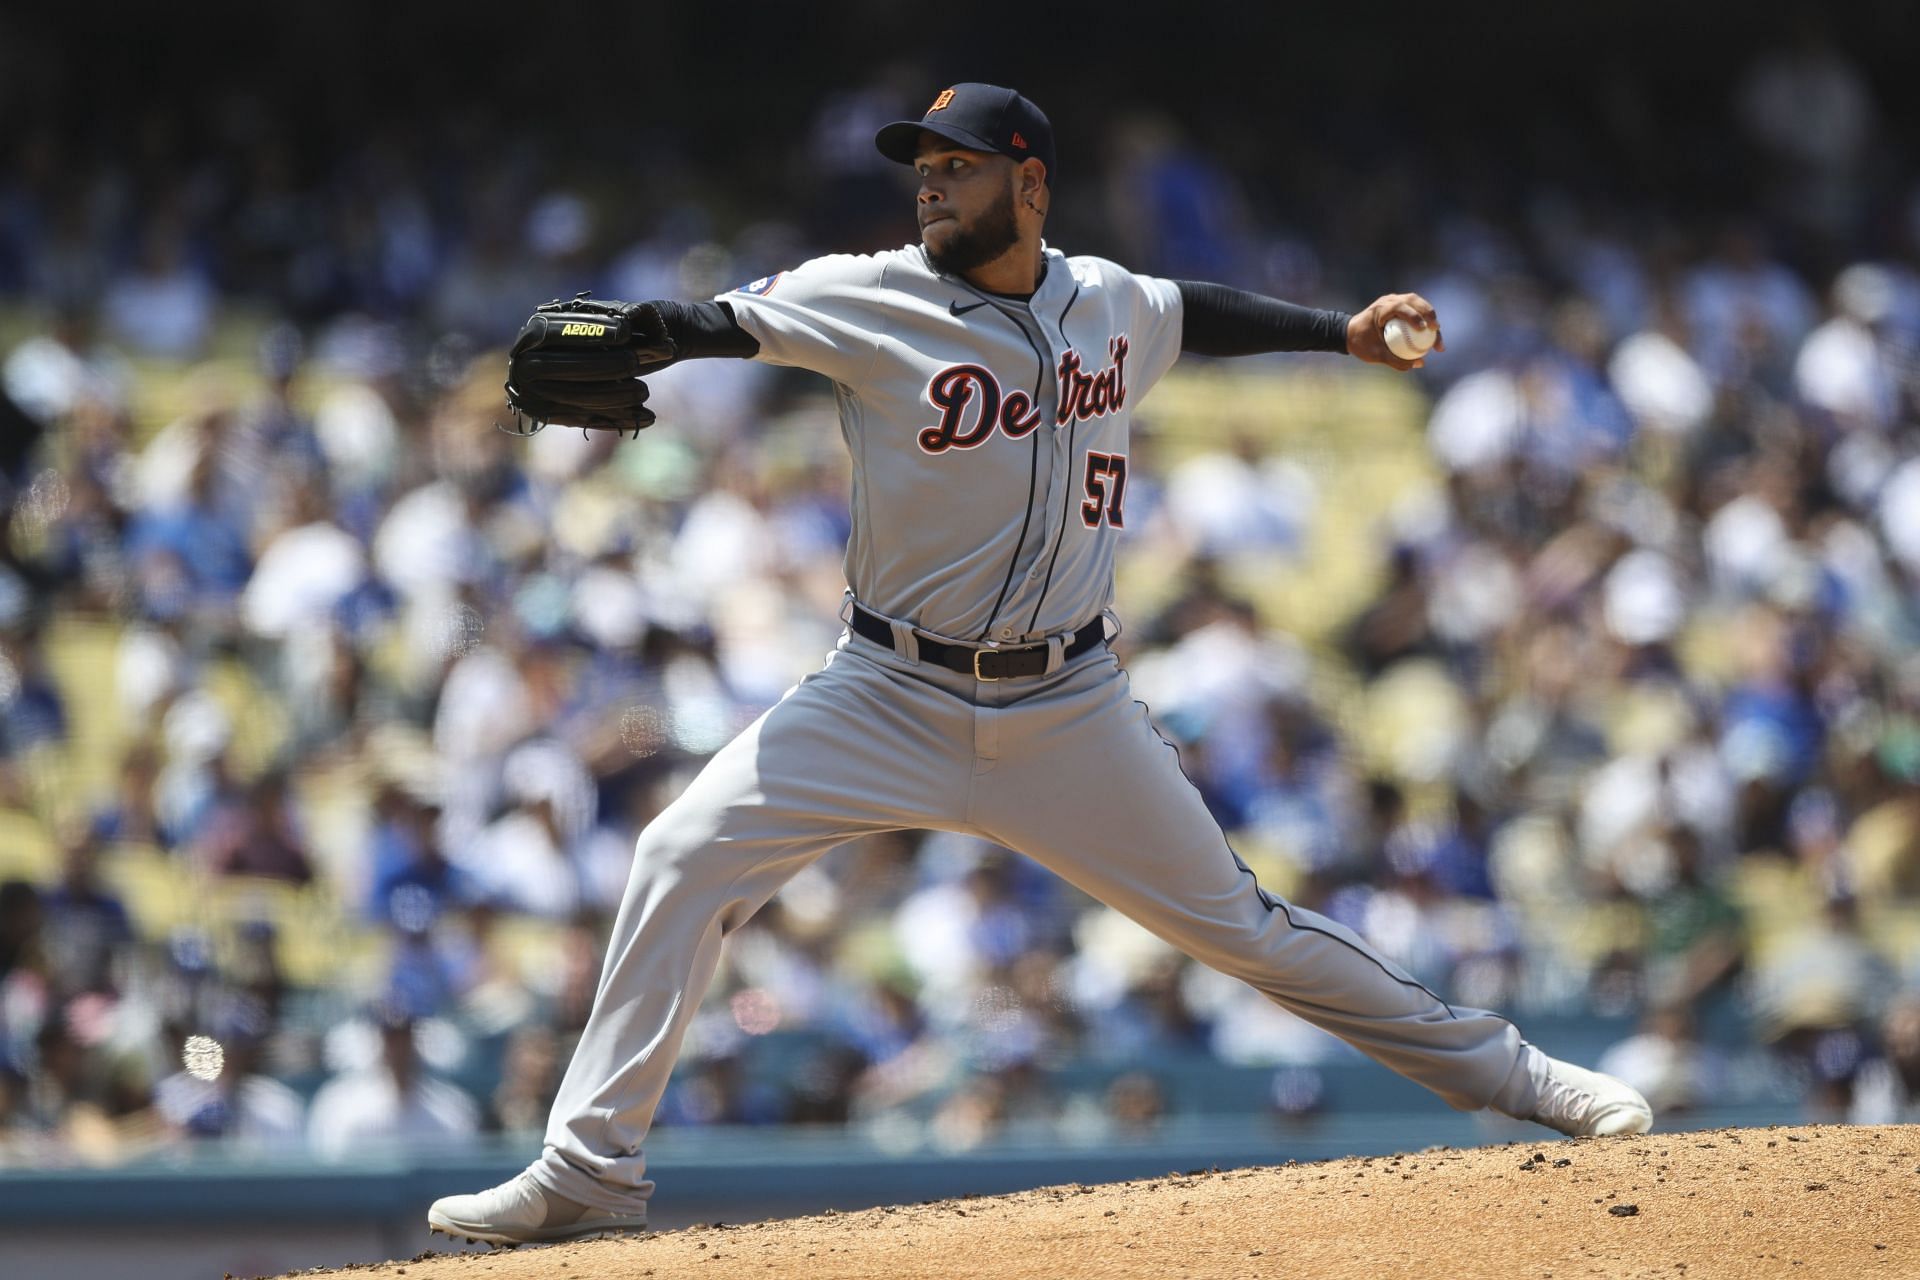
(986, 385)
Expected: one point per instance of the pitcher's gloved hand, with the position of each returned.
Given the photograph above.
(579, 363)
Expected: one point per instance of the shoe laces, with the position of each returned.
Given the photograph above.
(1564, 1102)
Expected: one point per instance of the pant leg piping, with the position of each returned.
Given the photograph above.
(1272, 903)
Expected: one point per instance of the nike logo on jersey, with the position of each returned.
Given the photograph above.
(959, 310)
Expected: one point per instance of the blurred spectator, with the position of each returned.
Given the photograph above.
(132, 815)
(529, 1079)
(26, 980)
(1846, 368)
(86, 926)
(392, 1099)
(1179, 212)
(1810, 112)
(165, 305)
(187, 558)
(1665, 1060)
(526, 857)
(1136, 1102)
(91, 1100)
(1887, 1090)
(51, 375)
(412, 881)
(1816, 996)
(33, 713)
(1745, 309)
(304, 570)
(1695, 940)
(221, 1090)
(252, 831)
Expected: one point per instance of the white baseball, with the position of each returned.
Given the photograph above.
(1407, 341)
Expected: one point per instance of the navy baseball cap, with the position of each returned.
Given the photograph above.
(979, 117)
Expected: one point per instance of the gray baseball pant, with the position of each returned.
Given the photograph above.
(1065, 768)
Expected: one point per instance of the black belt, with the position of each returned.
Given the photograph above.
(981, 664)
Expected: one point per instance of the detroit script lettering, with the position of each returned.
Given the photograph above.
(1083, 396)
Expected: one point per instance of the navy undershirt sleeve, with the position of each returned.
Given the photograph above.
(702, 329)
(1219, 321)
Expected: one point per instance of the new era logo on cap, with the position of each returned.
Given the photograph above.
(1019, 141)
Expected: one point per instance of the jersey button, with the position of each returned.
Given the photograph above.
(1034, 576)
(1006, 633)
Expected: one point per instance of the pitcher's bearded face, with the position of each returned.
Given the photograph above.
(956, 248)
(965, 206)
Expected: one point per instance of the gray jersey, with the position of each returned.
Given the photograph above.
(989, 436)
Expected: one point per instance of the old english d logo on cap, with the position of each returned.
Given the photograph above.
(940, 103)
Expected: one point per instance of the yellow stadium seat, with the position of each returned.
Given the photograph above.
(1776, 898)
(27, 849)
(83, 657)
(159, 891)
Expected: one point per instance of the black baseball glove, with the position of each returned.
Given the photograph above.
(579, 364)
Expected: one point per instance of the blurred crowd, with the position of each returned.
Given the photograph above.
(1627, 728)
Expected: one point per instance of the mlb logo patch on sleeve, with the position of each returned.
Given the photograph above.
(763, 285)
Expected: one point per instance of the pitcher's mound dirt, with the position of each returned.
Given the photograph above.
(1813, 1201)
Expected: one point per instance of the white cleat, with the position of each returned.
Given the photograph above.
(521, 1211)
(1585, 1104)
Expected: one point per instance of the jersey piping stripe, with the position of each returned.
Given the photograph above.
(1272, 903)
(1066, 484)
(1033, 472)
(1054, 559)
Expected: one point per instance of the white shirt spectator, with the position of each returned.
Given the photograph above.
(1881, 1096)
(1644, 601)
(1478, 421)
(547, 770)
(1662, 386)
(1746, 544)
(516, 861)
(426, 544)
(484, 708)
(1900, 513)
(1478, 593)
(1669, 1072)
(47, 378)
(357, 431)
(1227, 505)
(266, 1113)
(302, 575)
(1623, 797)
(933, 931)
(723, 540)
(1221, 676)
(367, 1106)
(1840, 369)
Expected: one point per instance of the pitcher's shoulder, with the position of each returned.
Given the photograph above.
(1092, 271)
(892, 265)
(837, 272)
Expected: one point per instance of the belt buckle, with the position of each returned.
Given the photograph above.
(978, 674)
